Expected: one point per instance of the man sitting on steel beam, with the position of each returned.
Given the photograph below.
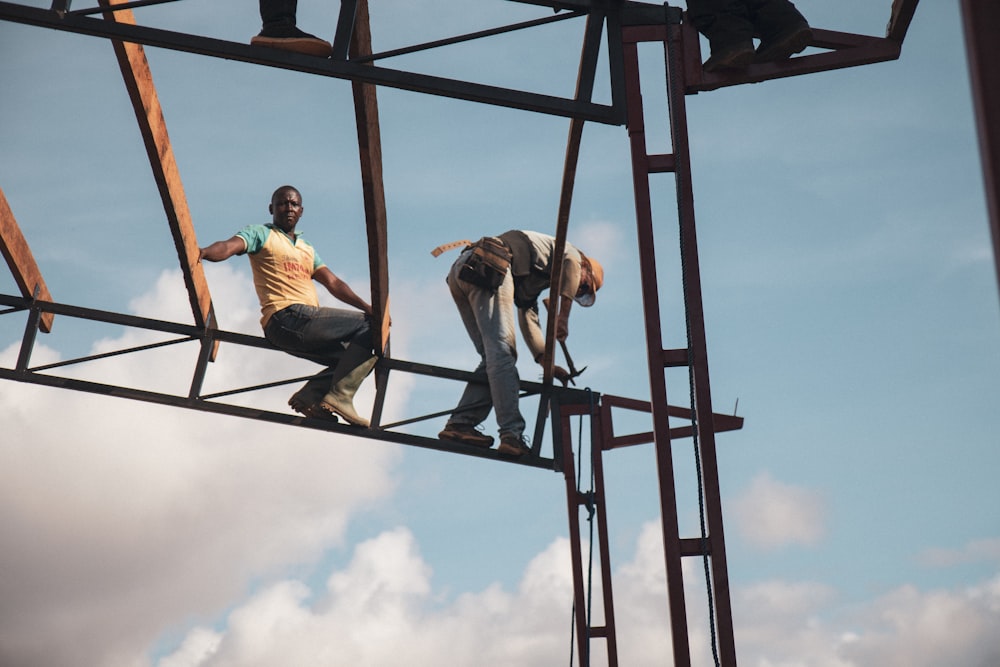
(731, 25)
(284, 266)
(280, 32)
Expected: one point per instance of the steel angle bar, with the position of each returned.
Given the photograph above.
(114, 353)
(118, 7)
(846, 50)
(268, 416)
(416, 48)
(414, 82)
(981, 24)
(899, 21)
(345, 28)
(136, 321)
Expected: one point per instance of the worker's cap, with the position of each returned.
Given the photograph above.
(587, 297)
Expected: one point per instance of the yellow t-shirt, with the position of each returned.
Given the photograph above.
(282, 268)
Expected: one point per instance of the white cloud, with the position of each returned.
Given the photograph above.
(123, 519)
(382, 605)
(976, 551)
(771, 514)
(601, 239)
(912, 627)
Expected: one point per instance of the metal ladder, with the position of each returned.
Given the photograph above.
(703, 423)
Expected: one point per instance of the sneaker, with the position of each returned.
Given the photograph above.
(785, 44)
(512, 445)
(291, 38)
(466, 435)
(734, 56)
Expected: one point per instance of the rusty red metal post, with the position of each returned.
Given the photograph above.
(981, 19)
(712, 546)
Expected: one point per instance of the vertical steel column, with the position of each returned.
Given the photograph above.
(981, 21)
(695, 357)
(562, 435)
(655, 356)
(701, 395)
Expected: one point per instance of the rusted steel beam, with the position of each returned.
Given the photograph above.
(981, 19)
(22, 263)
(701, 395)
(899, 20)
(681, 650)
(584, 91)
(370, 152)
(345, 29)
(846, 50)
(149, 114)
(340, 69)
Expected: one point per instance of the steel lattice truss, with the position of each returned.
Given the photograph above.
(614, 25)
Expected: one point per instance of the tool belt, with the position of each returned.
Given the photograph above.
(487, 265)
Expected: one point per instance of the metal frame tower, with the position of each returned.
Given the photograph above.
(619, 26)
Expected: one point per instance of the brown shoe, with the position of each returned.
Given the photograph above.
(793, 39)
(733, 57)
(512, 445)
(290, 38)
(306, 403)
(466, 435)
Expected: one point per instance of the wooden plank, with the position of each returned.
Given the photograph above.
(370, 152)
(149, 114)
(22, 263)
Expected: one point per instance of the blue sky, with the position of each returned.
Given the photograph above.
(851, 306)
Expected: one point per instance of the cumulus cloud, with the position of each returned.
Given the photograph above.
(771, 514)
(383, 605)
(602, 239)
(976, 551)
(123, 519)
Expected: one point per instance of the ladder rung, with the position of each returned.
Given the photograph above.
(675, 357)
(658, 164)
(692, 546)
(598, 631)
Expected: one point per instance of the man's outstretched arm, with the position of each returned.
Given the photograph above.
(222, 250)
(338, 288)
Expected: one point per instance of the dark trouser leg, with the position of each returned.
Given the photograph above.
(279, 30)
(728, 25)
(723, 22)
(277, 12)
(321, 335)
(782, 29)
(772, 16)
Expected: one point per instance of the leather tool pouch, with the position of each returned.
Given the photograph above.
(487, 264)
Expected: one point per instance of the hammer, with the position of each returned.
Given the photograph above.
(569, 361)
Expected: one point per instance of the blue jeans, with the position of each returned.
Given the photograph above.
(318, 334)
(489, 319)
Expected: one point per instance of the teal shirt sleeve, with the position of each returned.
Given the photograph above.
(254, 235)
(317, 262)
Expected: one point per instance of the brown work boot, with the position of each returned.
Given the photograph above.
(306, 402)
(786, 43)
(512, 445)
(730, 57)
(465, 434)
